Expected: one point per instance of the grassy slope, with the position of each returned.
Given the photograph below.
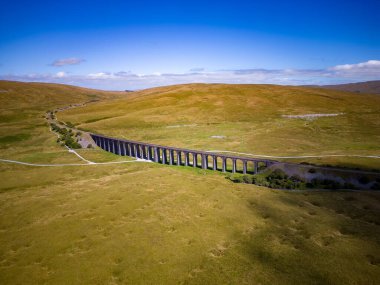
(250, 116)
(142, 223)
(135, 224)
(24, 133)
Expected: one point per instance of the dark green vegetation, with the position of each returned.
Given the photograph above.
(146, 223)
(66, 136)
(278, 179)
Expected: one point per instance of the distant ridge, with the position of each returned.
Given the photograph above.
(371, 87)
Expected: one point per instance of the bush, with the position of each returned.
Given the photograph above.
(236, 178)
(297, 178)
(376, 186)
(349, 185)
(364, 180)
(248, 179)
(277, 174)
(89, 146)
(70, 125)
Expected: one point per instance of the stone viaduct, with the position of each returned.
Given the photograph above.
(181, 156)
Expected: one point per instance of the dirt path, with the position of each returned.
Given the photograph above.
(72, 164)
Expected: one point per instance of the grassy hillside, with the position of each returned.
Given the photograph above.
(24, 133)
(146, 223)
(244, 118)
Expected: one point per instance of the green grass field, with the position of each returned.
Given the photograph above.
(146, 223)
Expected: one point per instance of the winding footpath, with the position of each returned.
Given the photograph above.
(72, 164)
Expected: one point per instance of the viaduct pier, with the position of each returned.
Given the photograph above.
(181, 156)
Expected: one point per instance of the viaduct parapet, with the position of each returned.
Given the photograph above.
(181, 156)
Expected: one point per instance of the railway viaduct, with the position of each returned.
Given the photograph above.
(181, 156)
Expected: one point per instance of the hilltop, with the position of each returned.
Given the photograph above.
(20, 95)
(370, 87)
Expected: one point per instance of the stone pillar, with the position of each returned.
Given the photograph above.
(214, 162)
(186, 159)
(127, 149)
(130, 153)
(179, 157)
(107, 144)
(156, 153)
(110, 145)
(233, 165)
(164, 156)
(256, 166)
(224, 167)
(150, 157)
(101, 143)
(136, 149)
(244, 167)
(195, 162)
(141, 154)
(144, 152)
(122, 148)
(113, 146)
(171, 157)
(204, 161)
(118, 148)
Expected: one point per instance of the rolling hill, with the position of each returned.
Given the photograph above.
(24, 132)
(370, 87)
(147, 223)
(258, 119)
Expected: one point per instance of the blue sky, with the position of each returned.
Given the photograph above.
(139, 44)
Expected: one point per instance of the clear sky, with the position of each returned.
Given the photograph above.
(138, 44)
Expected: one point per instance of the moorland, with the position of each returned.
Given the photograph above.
(146, 223)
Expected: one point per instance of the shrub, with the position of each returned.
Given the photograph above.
(297, 178)
(248, 179)
(236, 179)
(375, 186)
(364, 180)
(89, 146)
(277, 174)
(312, 170)
(70, 125)
(349, 185)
